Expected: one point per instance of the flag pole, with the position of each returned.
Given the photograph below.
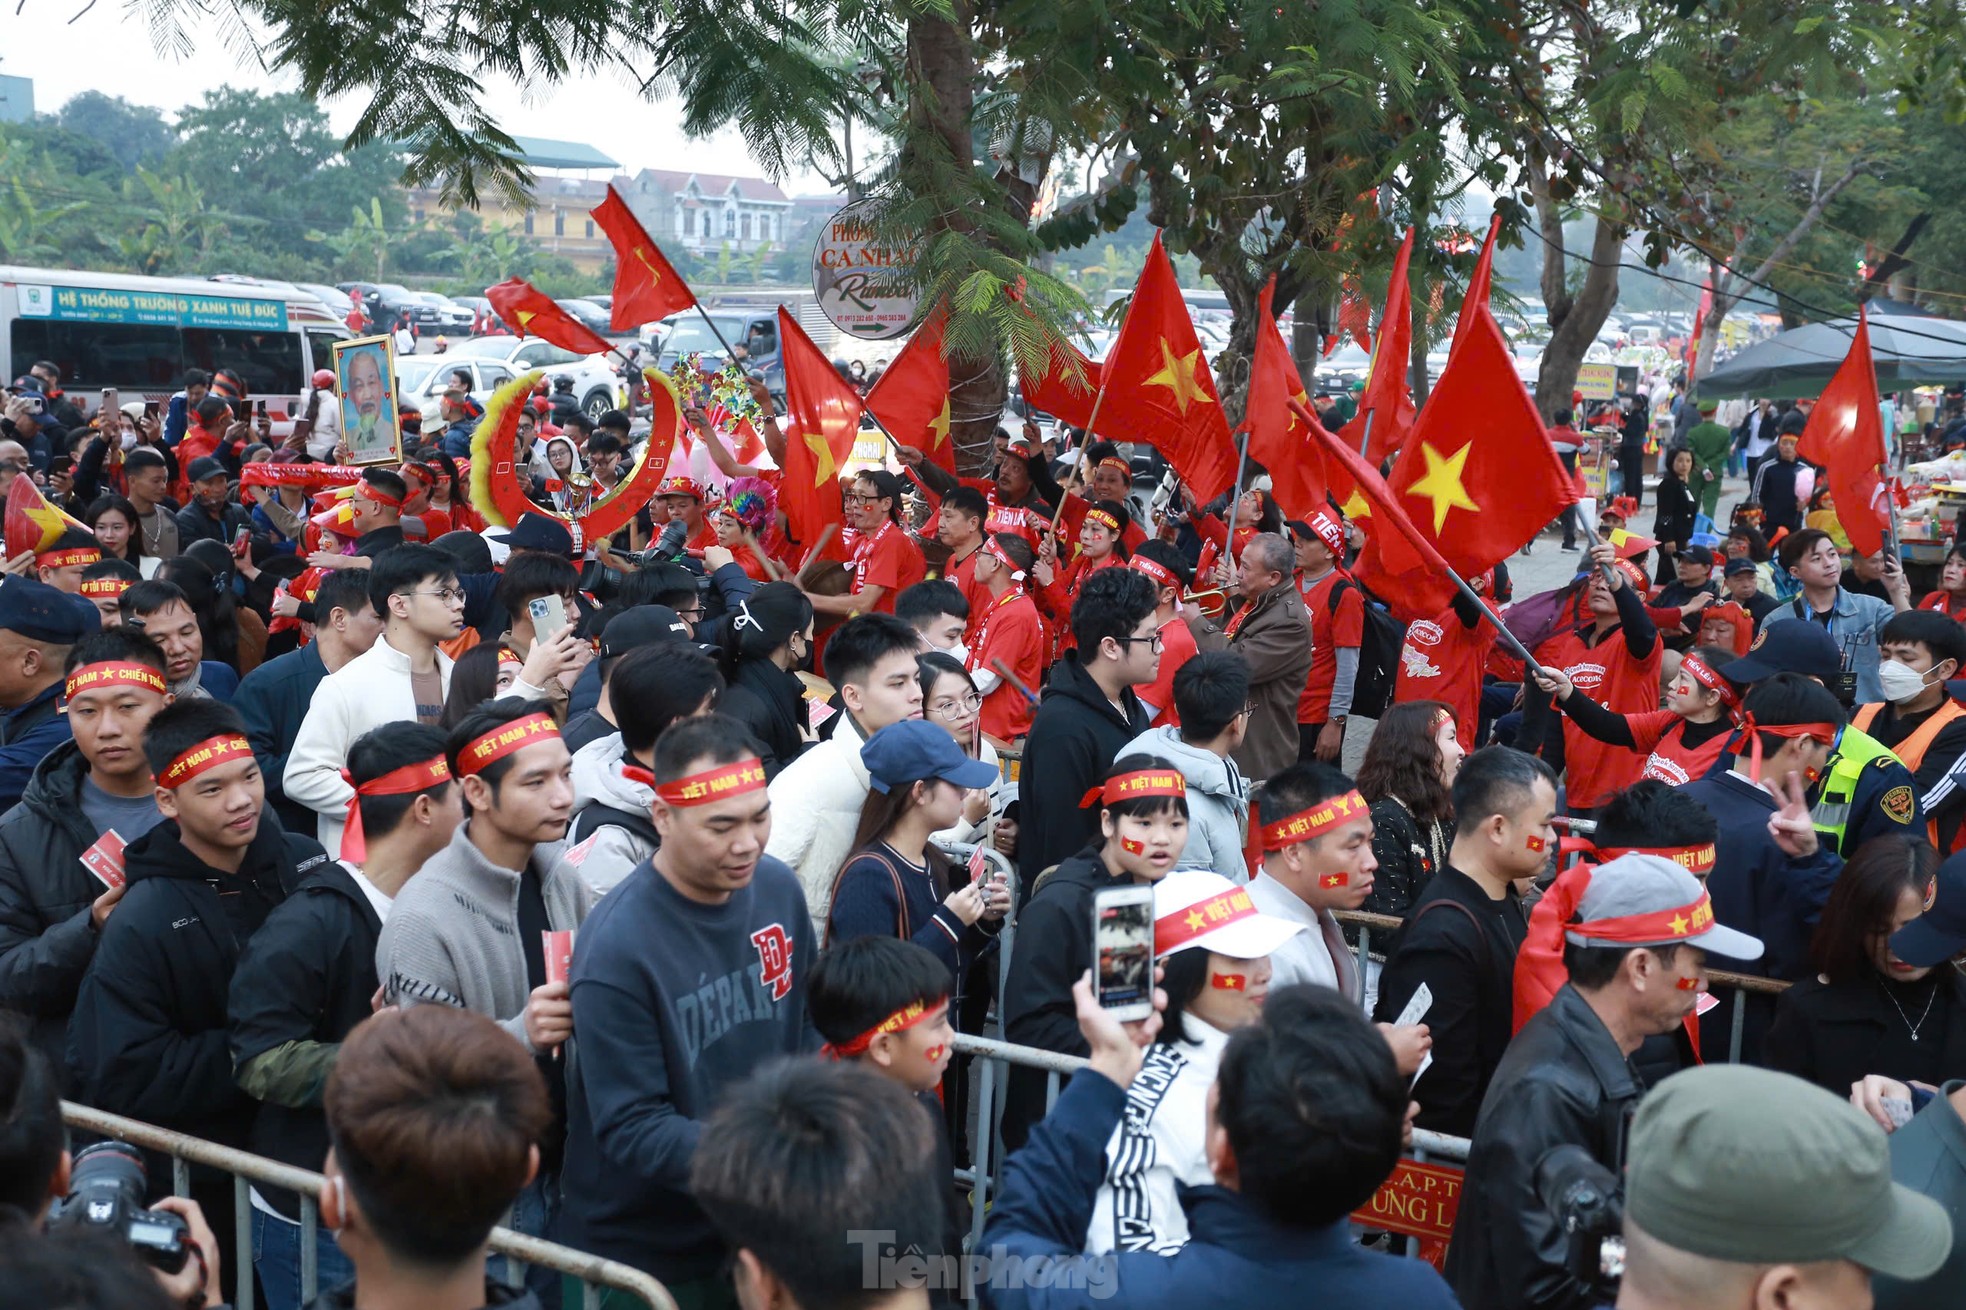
(1365, 437)
(1079, 471)
(1235, 492)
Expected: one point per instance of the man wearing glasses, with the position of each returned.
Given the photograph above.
(404, 676)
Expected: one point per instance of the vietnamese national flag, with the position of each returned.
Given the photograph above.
(912, 398)
(529, 312)
(1278, 438)
(1477, 293)
(1158, 388)
(1402, 549)
(646, 286)
(1054, 391)
(31, 522)
(1846, 436)
(1478, 476)
(1386, 399)
(822, 415)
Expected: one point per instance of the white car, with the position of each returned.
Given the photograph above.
(422, 379)
(594, 380)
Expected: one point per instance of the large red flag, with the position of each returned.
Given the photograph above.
(646, 286)
(1277, 436)
(822, 414)
(529, 312)
(1386, 404)
(1055, 392)
(1158, 388)
(1477, 294)
(1478, 475)
(912, 398)
(1403, 548)
(1846, 436)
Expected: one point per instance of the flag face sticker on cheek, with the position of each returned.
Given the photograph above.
(1229, 982)
(1335, 880)
(1132, 847)
(1536, 844)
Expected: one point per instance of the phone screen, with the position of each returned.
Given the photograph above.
(1123, 950)
(150, 409)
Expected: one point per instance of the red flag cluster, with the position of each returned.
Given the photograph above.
(1846, 436)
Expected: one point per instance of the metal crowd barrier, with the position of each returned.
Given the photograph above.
(1737, 985)
(592, 1272)
(960, 852)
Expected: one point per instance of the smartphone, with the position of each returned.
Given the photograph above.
(240, 536)
(150, 409)
(1123, 950)
(259, 408)
(549, 615)
(110, 400)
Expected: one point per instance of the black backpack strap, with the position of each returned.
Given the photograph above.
(596, 816)
(1336, 594)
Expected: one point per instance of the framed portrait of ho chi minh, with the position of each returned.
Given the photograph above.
(365, 381)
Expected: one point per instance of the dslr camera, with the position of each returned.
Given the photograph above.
(105, 1194)
(1588, 1202)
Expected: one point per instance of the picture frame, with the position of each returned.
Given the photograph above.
(365, 388)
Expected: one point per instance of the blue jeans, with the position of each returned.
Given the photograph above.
(276, 1258)
(534, 1211)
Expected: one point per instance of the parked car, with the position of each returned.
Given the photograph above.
(334, 298)
(688, 334)
(480, 308)
(588, 314)
(593, 375)
(422, 379)
(452, 318)
(385, 300)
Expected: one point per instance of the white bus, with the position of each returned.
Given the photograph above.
(140, 334)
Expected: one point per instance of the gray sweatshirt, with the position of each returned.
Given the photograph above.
(452, 936)
(1218, 802)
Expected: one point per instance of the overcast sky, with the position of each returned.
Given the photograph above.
(99, 50)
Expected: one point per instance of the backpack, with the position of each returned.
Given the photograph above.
(1378, 653)
(595, 816)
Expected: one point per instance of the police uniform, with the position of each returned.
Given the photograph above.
(31, 729)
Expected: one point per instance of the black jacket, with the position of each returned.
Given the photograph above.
(497, 1297)
(195, 523)
(1564, 1082)
(46, 938)
(771, 703)
(1834, 1033)
(1075, 737)
(1774, 487)
(148, 1038)
(1053, 948)
(1679, 504)
(307, 977)
(273, 699)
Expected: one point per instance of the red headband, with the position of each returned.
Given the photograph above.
(1639, 929)
(207, 754)
(1701, 672)
(1306, 824)
(915, 1012)
(502, 741)
(370, 491)
(1137, 786)
(1825, 733)
(720, 783)
(105, 586)
(996, 552)
(1160, 573)
(1114, 462)
(90, 677)
(61, 559)
(397, 782)
(1103, 519)
(1696, 860)
(1184, 925)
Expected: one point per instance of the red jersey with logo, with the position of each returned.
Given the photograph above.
(1607, 673)
(1177, 647)
(1329, 632)
(1008, 628)
(1661, 736)
(887, 560)
(963, 574)
(1441, 660)
(1064, 589)
(1073, 519)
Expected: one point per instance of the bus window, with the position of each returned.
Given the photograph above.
(320, 345)
(132, 356)
(268, 361)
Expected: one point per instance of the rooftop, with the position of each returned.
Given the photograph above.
(539, 152)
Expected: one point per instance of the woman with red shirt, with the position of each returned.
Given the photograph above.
(1680, 742)
(1950, 598)
(1101, 546)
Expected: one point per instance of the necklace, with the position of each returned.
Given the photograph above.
(1907, 1018)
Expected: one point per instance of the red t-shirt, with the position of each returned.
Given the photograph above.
(1008, 628)
(1177, 648)
(1441, 660)
(887, 560)
(1073, 519)
(1660, 734)
(963, 574)
(1329, 632)
(1064, 589)
(1609, 675)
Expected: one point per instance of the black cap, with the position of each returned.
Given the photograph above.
(538, 532)
(1741, 565)
(205, 466)
(471, 552)
(1695, 555)
(1787, 646)
(613, 420)
(39, 612)
(1940, 932)
(644, 625)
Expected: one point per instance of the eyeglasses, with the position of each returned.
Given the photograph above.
(956, 709)
(866, 500)
(1246, 711)
(693, 612)
(448, 595)
(1153, 641)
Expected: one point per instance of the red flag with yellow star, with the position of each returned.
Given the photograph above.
(1277, 437)
(646, 286)
(529, 312)
(1158, 388)
(1478, 476)
(1386, 405)
(1846, 436)
(912, 398)
(31, 523)
(822, 414)
(1476, 297)
(1057, 393)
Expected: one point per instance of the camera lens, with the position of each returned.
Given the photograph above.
(109, 1167)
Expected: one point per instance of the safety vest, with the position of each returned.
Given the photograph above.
(1912, 752)
(1854, 751)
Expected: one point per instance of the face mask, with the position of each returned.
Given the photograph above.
(959, 653)
(1899, 680)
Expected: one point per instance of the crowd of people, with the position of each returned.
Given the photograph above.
(621, 891)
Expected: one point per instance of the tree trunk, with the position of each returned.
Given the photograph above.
(1583, 315)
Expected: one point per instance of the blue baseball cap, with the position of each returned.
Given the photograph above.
(915, 750)
(1940, 933)
(1786, 646)
(39, 612)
